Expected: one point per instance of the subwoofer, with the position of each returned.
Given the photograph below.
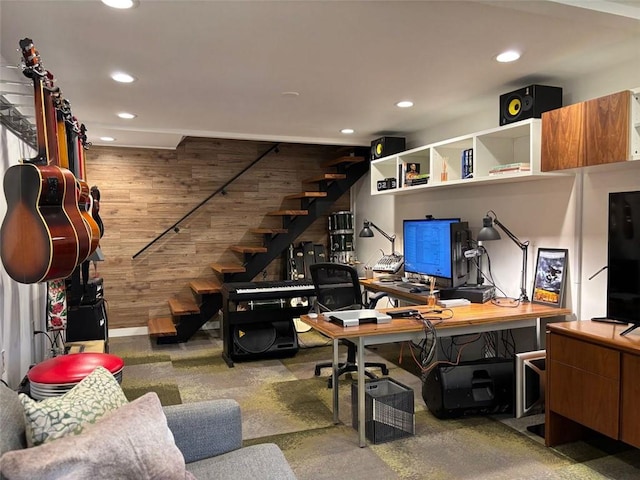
(264, 340)
(529, 102)
(479, 387)
(386, 146)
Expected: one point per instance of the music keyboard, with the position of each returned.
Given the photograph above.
(267, 290)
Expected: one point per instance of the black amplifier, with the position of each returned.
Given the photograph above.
(387, 183)
(479, 387)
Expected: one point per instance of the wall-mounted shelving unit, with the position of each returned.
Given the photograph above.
(513, 145)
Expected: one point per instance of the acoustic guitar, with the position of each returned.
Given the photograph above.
(38, 240)
(69, 141)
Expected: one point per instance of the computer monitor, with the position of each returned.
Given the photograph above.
(435, 247)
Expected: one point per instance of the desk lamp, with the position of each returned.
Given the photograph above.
(388, 263)
(488, 232)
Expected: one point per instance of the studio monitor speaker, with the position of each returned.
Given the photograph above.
(385, 146)
(529, 102)
(470, 388)
(264, 340)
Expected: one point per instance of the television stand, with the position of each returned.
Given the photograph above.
(630, 329)
(609, 320)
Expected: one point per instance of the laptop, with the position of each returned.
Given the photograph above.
(353, 318)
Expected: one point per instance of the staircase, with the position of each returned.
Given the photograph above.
(189, 314)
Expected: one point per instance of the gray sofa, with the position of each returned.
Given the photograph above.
(209, 435)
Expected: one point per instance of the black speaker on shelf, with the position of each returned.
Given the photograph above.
(386, 146)
(529, 102)
(88, 322)
(263, 340)
(478, 387)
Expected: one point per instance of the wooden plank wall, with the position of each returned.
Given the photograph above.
(145, 191)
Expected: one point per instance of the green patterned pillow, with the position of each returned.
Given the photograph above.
(52, 418)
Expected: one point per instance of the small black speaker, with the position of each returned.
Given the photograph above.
(88, 322)
(529, 102)
(264, 340)
(386, 146)
(479, 387)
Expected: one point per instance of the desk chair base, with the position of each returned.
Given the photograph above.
(347, 367)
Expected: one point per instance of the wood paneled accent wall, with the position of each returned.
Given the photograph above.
(145, 191)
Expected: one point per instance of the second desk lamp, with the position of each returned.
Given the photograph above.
(488, 232)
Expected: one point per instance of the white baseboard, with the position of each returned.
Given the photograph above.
(128, 332)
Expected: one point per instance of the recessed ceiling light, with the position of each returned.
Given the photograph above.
(122, 77)
(121, 4)
(127, 116)
(509, 56)
(291, 94)
(404, 104)
(107, 139)
(347, 131)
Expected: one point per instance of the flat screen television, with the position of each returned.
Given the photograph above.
(623, 259)
(435, 247)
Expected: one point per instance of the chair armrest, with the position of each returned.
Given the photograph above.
(373, 300)
(205, 429)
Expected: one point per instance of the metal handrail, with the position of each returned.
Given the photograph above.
(175, 228)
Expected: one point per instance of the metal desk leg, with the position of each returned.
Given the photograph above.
(538, 333)
(361, 387)
(334, 377)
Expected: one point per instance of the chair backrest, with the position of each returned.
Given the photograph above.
(337, 286)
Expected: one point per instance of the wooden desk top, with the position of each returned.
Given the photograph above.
(468, 315)
(605, 334)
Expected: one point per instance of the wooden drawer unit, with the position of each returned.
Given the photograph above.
(592, 381)
(629, 410)
(583, 383)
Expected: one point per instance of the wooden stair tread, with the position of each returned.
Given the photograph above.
(247, 249)
(306, 195)
(343, 160)
(162, 327)
(203, 286)
(227, 268)
(271, 231)
(325, 178)
(280, 213)
(183, 306)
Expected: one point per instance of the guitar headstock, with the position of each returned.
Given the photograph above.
(32, 64)
(83, 137)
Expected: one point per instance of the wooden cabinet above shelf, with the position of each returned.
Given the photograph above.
(601, 131)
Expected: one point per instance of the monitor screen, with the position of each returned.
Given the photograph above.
(623, 273)
(434, 247)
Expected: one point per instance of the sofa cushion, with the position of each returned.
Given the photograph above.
(11, 421)
(264, 461)
(133, 442)
(55, 417)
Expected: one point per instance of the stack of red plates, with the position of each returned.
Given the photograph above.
(58, 375)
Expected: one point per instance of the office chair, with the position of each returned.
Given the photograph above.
(337, 288)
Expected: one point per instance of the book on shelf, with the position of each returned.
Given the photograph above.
(420, 179)
(411, 171)
(510, 168)
(467, 163)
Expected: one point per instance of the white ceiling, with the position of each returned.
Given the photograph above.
(219, 68)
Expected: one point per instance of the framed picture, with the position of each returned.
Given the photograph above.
(550, 279)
